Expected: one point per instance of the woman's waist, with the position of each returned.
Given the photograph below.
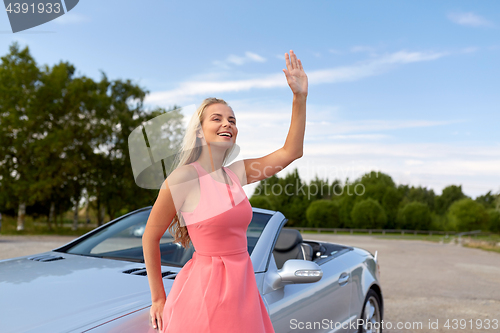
(217, 253)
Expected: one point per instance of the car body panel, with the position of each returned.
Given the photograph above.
(108, 292)
(313, 302)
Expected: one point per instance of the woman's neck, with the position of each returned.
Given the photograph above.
(211, 157)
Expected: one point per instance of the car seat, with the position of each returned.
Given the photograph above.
(290, 246)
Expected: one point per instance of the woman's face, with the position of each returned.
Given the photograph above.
(219, 124)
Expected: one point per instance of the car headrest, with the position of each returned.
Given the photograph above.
(287, 240)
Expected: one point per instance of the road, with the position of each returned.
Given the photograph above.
(421, 281)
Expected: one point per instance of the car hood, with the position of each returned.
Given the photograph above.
(71, 294)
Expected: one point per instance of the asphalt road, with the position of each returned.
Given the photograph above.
(421, 281)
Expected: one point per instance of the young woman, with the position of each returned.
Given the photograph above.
(203, 202)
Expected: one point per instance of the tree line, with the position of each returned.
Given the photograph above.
(64, 137)
(374, 201)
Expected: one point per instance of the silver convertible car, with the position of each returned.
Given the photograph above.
(97, 283)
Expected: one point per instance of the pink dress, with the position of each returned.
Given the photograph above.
(216, 291)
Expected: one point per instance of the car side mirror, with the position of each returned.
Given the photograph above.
(297, 271)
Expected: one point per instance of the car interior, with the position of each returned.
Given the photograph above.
(290, 245)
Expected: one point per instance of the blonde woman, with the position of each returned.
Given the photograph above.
(203, 202)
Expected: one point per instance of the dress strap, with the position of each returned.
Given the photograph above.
(199, 169)
(202, 174)
(233, 176)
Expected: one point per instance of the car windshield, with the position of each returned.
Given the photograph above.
(122, 240)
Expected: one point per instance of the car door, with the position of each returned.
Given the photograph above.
(312, 307)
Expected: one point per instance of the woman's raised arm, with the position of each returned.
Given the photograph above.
(261, 168)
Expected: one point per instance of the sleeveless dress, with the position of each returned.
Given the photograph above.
(216, 290)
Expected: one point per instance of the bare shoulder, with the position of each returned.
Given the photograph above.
(182, 175)
(181, 183)
(238, 168)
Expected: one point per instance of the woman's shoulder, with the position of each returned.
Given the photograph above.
(238, 168)
(182, 175)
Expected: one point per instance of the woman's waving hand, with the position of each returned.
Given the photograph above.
(261, 168)
(295, 75)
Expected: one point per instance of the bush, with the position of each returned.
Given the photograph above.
(391, 200)
(368, 214)
(494, 220)
(467, 215)
(323, 214)
(440, 222)
(261, 201)
(415, 216)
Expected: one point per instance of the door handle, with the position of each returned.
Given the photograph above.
(344, 278)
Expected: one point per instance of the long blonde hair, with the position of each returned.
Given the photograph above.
(190, 152)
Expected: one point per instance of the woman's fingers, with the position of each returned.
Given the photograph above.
(295, 61)
(160, 323)
(287, 60)
(300, 65)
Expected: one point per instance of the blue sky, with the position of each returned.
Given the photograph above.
(409, 88)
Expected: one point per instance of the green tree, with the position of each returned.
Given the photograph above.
(419, 194)
(346, 200)
(293, 198)
(319, 189)
(20, 120)
(488, 200)
(467, 215)
(415, 216)
(391, 201)
(368, 214)
(494, 220)
(75, 131)
(288, 195)
(323, 214)
(261, 201)
(450, 194)
(373, 185)
(336, 189)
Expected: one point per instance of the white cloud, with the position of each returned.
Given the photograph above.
(334, 75)
(71, 18)
(469, 19)
(358, 137)
(238, 60)
(413, 162)
(376, 125)
(360, 48)
(471, 49)
(255, 57)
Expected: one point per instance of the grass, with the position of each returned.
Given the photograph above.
(34, 227)
(487, 243)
